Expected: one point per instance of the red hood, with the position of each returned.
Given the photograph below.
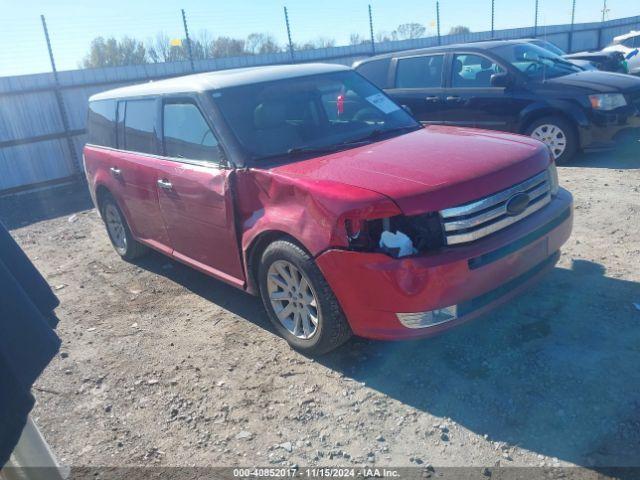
(430, 169)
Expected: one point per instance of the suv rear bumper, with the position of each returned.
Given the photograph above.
(373, 288)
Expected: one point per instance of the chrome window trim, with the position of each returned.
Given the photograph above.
(200, 163)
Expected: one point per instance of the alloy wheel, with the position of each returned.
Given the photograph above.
(552, 136)
(115, 226)
(293, 299)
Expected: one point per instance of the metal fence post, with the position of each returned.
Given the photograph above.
(493, 11)
(573, 18)
(60, 101)
(373, 43)
(535, 21)
(186, 34)
(438, 21)
(286, 21)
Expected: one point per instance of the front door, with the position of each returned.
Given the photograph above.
(471, 101)
(195, 195)
(418, 84)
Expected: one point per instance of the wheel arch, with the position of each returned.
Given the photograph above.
(570, 114)
(256, 248)
(101, 193)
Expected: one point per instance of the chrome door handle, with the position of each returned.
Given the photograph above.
(164, 183)
(115, 171)
(432, 98)
(453, 98)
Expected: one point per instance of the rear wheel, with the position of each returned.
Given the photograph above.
(118, 230)
(558, 134)
(299, 301)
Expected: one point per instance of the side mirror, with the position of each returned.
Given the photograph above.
(501, 79)
(407, 109)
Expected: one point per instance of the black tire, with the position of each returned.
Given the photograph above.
(132, 249)
(332, 329)
(567, 128)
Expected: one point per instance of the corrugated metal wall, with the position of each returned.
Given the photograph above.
(33, 142)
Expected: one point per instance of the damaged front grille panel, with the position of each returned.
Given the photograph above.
(474, 220)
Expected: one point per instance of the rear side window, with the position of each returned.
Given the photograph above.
(139, 120)
(376, 71)
(187, 134)
(101, 123)
(420, 72)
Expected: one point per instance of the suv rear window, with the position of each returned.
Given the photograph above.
(420, 72)
(139, 131)
(101, 123)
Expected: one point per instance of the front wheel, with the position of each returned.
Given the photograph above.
(558, 134)
(299, 301)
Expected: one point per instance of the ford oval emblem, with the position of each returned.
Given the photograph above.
(517, 204)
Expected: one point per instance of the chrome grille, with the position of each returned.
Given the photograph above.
(483, 217)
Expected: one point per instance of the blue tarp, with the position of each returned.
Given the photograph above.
(27, 338)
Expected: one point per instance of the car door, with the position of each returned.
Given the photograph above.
(195, 194)
(471, 101)
(418, 84)
(133, 167)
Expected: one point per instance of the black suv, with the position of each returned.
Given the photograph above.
(514, 86)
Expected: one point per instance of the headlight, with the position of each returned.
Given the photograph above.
(552, 172)
(424, 232)
(607, 101)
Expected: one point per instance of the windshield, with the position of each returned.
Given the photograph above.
(548, 46)
(317, 113)
(535, 62)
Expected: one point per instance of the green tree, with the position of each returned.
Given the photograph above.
(459, 30)
(111, 52)
(408, 31)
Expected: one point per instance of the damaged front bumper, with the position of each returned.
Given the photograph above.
(395, 298)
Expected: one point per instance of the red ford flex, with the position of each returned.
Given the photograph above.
(308, 186)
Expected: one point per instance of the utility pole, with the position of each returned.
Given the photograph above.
(493, 11)
(186, 34)
(573, 18)
(75, 164)
(373, 43)
(605, 10)
(438, 21)
(535, 21)
(286, 21)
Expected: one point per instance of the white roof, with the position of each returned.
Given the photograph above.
(632, 33)
(201, 82)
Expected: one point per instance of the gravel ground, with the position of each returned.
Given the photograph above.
(161, 365)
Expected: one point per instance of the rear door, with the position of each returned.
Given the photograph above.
(471, 101)
(133, 166)
(418, 84)
(195, 194)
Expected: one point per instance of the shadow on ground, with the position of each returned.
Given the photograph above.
(556, 371)
(624, 158)
(20, 210)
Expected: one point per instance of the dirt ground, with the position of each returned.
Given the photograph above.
(161, 365)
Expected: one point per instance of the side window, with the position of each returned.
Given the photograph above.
(187, 134)
(473, 71)
(632, 42)
(139, 132)
(375, 71)
(420, 72)
(101, 123)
